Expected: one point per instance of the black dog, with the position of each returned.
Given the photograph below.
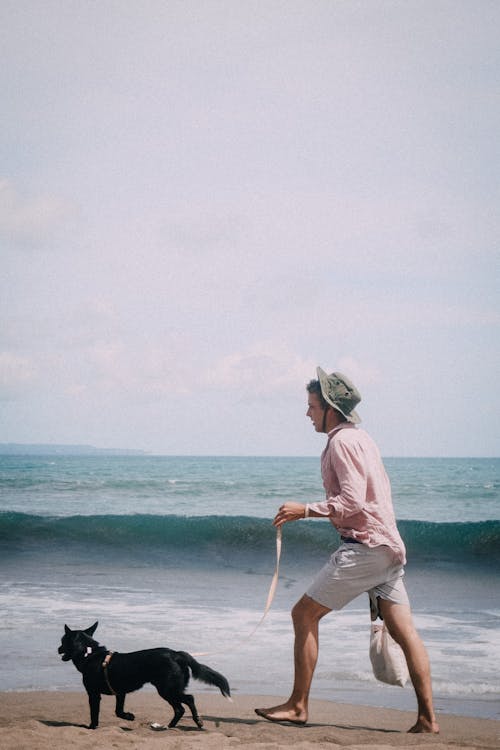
(118, 674)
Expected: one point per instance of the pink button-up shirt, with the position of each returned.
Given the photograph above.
(358, 492)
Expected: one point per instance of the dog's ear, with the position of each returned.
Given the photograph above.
(90, 631)
(67, 630)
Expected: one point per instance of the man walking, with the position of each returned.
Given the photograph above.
(371, 555)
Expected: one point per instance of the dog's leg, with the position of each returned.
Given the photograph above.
(178, 713)
(189, 701)
(120, 702)
(94, 703)
(176, 704)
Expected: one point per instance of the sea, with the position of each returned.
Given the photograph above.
(181, 551)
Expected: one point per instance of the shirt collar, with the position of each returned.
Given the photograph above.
(341, 426)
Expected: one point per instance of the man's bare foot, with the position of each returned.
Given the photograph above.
(283, 713)
(424, 726)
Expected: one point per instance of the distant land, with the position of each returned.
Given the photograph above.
(49, 449)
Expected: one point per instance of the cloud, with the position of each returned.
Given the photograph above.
(17, 375)
(28, 219)
(361, 373)
(262, 369)
(147, 371)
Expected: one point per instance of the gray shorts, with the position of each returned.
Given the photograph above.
(354, 569)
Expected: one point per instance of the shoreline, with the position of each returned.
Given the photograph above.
(59, 719)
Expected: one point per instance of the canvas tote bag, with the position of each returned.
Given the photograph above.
(387, 658)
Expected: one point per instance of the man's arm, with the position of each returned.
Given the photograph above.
(292, 511)
(350, 470)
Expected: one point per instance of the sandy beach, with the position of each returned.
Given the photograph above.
(37, 720)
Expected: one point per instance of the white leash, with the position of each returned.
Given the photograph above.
(270, 596)
(274, 582)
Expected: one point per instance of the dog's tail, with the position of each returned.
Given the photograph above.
(206, 674)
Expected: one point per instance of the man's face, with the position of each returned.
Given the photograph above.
(315, 411)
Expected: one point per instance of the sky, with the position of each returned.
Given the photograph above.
(201, 201)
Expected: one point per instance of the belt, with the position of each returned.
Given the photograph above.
(349, 540)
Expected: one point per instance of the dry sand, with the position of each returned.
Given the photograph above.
(58, 720)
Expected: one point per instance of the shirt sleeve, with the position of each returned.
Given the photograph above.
(349, 466)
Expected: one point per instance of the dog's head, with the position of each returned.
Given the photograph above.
(77, 644)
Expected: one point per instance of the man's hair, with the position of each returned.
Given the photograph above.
(314, 386)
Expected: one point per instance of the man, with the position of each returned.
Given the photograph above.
(371, 556)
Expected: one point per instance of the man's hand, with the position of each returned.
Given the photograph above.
(289, 512)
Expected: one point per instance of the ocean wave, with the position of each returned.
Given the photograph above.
(478, 541)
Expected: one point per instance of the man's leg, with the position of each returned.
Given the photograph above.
(399, 622)
(306, 615)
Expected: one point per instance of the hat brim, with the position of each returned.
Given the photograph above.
(352, 417)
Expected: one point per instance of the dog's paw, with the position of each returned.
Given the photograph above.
(126, 715)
